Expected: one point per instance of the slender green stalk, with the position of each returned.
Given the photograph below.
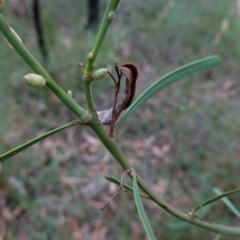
(194, 211)
(185, 217)
(28, 144)
(118, 155)
(227, 202)
(37, 68)
(108, 17)
(89, 97)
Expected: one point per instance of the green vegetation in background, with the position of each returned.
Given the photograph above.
(200, 122)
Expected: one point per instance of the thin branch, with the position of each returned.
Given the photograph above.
(37, 68)
(121, 159)
(194, 211)
(28, 144)
(108, 17)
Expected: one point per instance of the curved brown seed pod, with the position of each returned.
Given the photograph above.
(131, 78)
(130, 72)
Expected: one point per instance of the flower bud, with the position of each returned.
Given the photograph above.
(34, 80)
(111, 15)
(69, 93)
(90, 55)
(100, 73)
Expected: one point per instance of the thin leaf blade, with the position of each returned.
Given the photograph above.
(219, 194)
(141, 210)
(172, 77)
(229, 204)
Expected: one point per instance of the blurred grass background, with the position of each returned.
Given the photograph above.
(184, 141)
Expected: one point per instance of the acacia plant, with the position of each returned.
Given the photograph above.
(90, 117)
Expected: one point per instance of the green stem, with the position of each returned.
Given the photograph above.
(37, 68)
(108, 17)
(28, 144)
(120, 158)
(186, 217)
(118, 155)
(194, 211)
(89, 97)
